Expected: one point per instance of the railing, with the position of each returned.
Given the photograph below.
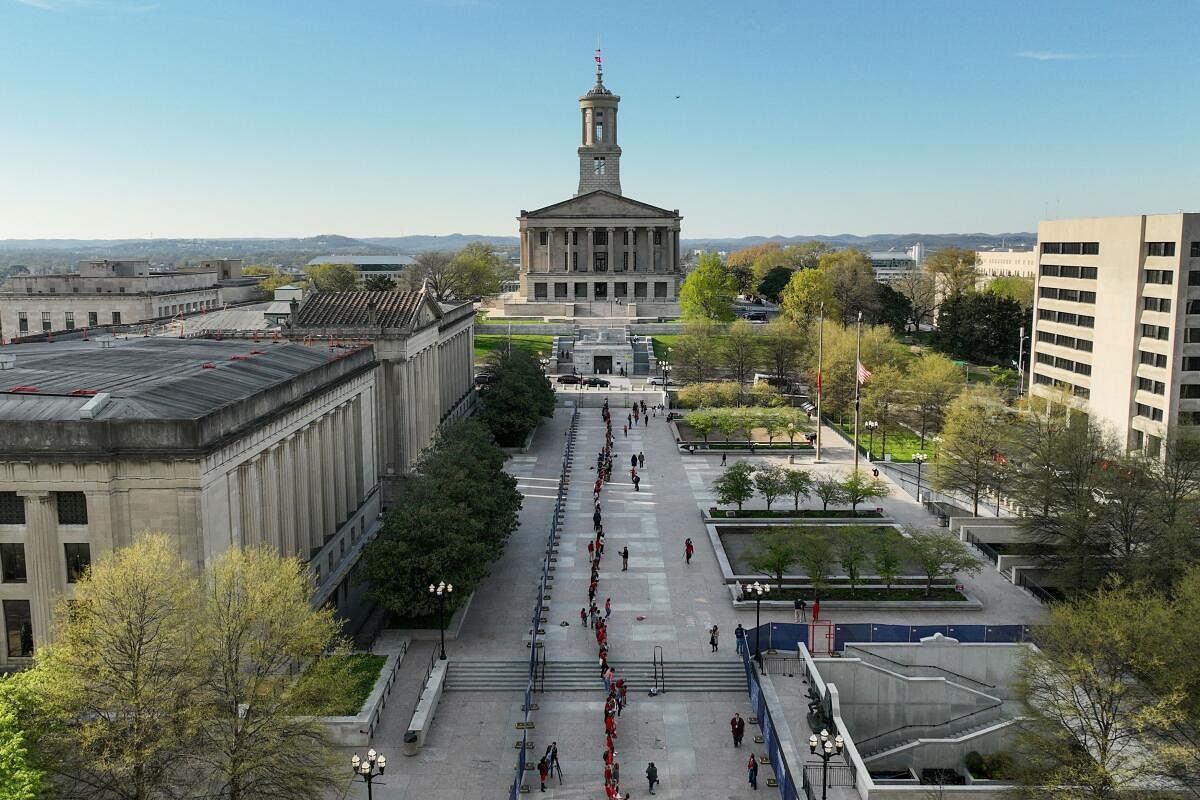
(945, 672)
(660, 670)
(984, 548)
(433, 658)
(783, 774)
(782, 665)
(1035, 588)
(912, 728)
(387, 690)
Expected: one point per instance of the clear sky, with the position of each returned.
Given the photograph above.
(138, 118)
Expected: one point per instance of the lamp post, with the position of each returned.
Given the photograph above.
(369, 769)
(442, 591)
(920, 458)
(870, 425)
(758, 590)
(792, 442)
(826, 749)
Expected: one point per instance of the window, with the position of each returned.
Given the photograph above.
(620, 289)
(539, 291)
(1163, 276)
(1190, 363)
(22, 322)
(12, 509)
(1189, 391)
(116, 318)
(18, 629)
(12, 563)
(1193, 306)
(1072, 248)
(560, 291)
(1156, 304)
(1160, 249)
(658, 237)
(660, 290)
(625, 262)
(93, 319)
(575, 261)
(600, 262)
(565, 261)
(1152, 359)
(581, 291)
(599, 166)
(79, 558)
(599, 135)
(1065, 271)
(72, 508)
(1150, 412)
(1152, 386)
(69, 320)
(571, 237)
(600, 291)
(1195, 252)
(1069, 295)
(1191, 336)
(1189, 417)
(600, 238)
(543, 238)
(46, 321)
(1159, 332)
(639, 290)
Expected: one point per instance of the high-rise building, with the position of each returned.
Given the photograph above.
(1117, 322)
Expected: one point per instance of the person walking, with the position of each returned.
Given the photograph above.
(583, 617)
(651, 776)
(737, 727)
(596, 518)
(739, 636)
(607, 608)
(798, 606)
(637, 482)
(625, 559)
(543, 771)
(752, 770)
(625, 430)
(714, 637)
(646, 421)
(633, 462)
(722, 459)
(591, 548)
(816, 608)
(641, 459)
(622, 696)
(688, 550)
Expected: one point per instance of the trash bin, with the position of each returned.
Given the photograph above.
(410, 743)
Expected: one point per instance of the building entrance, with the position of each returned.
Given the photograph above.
(602, 365)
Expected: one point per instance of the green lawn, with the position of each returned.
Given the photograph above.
(499, 321)
(488, 343)
(790, 512)
(873, 592)
(901, 442)
(352, 677)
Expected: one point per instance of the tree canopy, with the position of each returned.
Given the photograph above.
(333, 277)
(708, 291)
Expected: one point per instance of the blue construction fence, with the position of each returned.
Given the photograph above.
(787, 785)
(785, 635)
(539, 603)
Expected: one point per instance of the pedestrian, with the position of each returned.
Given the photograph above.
(645, 421)
(722, 459)
(752, 769)
(714, 637)
(591, 548)
(629, 419)
(651, 775)
(641, 459)
(622, 696)
(607, 608)
(583, 616)
(633, 461)
(798, 606)
(625, 559)
(637, 483)
(816, 608)
(596, 518)
(616, 773)
(643, 406)
(739, 637)
(543, 771)
(610, 727)
(737, 726)
(688, 549)
(625, 430)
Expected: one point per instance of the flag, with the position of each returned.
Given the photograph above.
(863, 374)
(818, 383)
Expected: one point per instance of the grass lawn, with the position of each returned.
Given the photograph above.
(872, 592)
(661, 343)
(488, 343)
(901, 442)
(776, 513)
(741, 543)
(506, 321)
(352, 676)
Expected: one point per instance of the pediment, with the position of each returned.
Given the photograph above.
(601, 204)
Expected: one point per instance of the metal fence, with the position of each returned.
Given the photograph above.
(787, 784)
(867, 632)
(539, 603)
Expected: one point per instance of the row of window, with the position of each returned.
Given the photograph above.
(1149, 412)
(1065, 271)
(1063, 340)
(1156, 304)
(1071, 248)
(1064, 363)
(1160, 248)
(77, 555)
(1066, 318)
(72, 508)
(599, 237)
(600, 291)
(1067, 295)
(1153, 359)
(1189, 391)
(1046, 380)
(1152, 386)
(184, 308)
(93, 319)
(1160, 332)
(1164, 277)
(75, 290)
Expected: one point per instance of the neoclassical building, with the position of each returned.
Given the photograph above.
(598, 253)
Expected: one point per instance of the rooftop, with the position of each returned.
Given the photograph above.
(365, 261)
(392, 309)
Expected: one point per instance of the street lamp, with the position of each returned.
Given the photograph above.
(369, 769)
(758, 590)
(442, 591)
(792, 442)
(826, 749)
(920, 458)
(871, 425)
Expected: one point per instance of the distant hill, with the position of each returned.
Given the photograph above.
(877, 241)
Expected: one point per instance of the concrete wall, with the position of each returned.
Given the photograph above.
(992, 664)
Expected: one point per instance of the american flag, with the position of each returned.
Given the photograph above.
(863, 374)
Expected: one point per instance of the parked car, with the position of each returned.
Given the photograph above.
(569, 379)
(756, 316)
(592, 380)
(484, 378)
(659, 381)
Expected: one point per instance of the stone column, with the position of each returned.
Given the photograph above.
(328, 481)
(591, 248)
(338, 463)
(650, 262)
(612, 250)
(252, 529)
(630, 249)
(44, 564)
(271, 506)
(287, 496)
(570, 239)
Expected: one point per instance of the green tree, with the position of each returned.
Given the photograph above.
(879, 347)
(886, 559)
(884, 400)
(702, 422)
(1013, 287)
(829, 489)
(920, 289)
(981, 327)
(735, 484)
(805, 255)
(256, 621)
(771, 482)
(799, 484)
(379, 283)
(765, 395)
(272, 279)
(783, 344)
(475, 271)
(743, 346)
(894, 309)
(773, 282)
(20, 776)
(816, 557)
(932, 381)
(708, 291)
(859, 486)
(852, 284)
(940, 555)
(805, 294)
(333, 277)
(774, 554)
(696, 352)
(852, 553)
(974, 442)
(954, 267)
(517, 398)
(728, 422)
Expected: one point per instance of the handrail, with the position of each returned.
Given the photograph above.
(928, 666)
(659, 668)
(861, 742)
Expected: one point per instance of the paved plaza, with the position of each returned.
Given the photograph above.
(659, 601)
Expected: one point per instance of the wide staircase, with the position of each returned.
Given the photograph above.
(467, 675)
(641, 355)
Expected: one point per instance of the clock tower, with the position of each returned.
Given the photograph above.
(599, 155)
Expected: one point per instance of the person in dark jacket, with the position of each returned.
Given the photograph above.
(652, 776)
(752, 769)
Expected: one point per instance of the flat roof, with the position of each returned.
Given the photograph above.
(365, 261)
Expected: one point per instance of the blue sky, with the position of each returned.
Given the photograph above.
(137, 118)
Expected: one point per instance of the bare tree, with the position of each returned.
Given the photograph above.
(432, 269)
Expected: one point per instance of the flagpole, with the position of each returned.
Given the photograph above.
(857, 383)
(820, 366)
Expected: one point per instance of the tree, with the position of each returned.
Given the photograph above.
(1014, 287)
(931, 383)
(981, 327)
(748, 255)
(773, 283)
(735, 484)
(940, 555)
(432, 269)
(702, 422)
(816, 557)
(852, 553)
(805, 294)
(920, 289)
(124, 676)
(974, 442)
(708, 291)
(859, 486)
(774, 554)
(697, 350)
(955, 268)
(799, 484)
(742, 348)
(830, 490)
(379, 283)
(728, 422)
(886, 560)
(879, 347)
(475, 271)
(519, 395)
(256, 621)
(883, 400)
(771, 482)
(333, 277)
(20, 776)
(272, 279)
(805, 255)
(852, 283)
(894, 308)
(783, 344)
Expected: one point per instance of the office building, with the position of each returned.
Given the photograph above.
(892, 264)
(384, 266)
(1007, 263)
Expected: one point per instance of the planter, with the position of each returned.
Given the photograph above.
(804, 514)
(358, 730)
(453, 625)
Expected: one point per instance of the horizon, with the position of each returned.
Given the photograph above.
(221, 120)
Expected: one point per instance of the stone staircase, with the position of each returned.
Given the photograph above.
(968, 731)
(467, 675)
